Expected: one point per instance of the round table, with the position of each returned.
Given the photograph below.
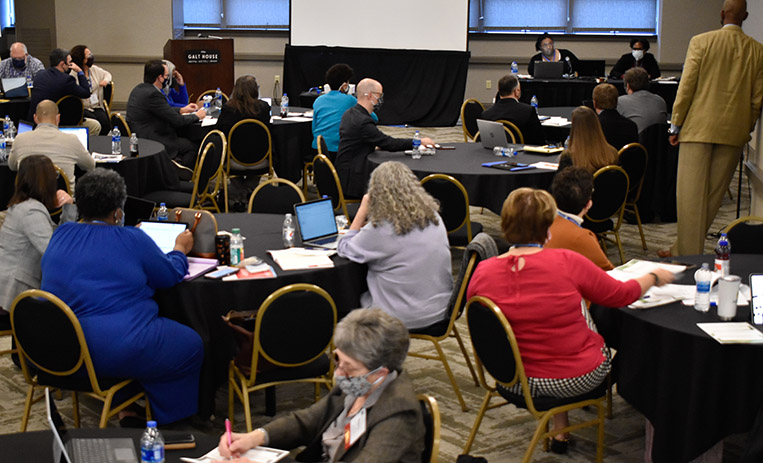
(199, 303)
(692, 389)
(487, 187)
(555, 133)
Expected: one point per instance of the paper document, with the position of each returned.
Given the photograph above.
(636, 267)
(257, 455)
(198, 266)
(663, 295)
(556, 121)
(107, 157)
(546, 149)
(301, 258)
(546, 165)
(732, 333)
(209, 120)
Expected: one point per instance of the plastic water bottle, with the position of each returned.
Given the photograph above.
(534, 102)
(134, 144)
(116, 141)
(284, 105)
(151, 445)
(723, 255)
(207, 102)
(11, 132)
(416, 140)
(218, 99)
(514, 67)
(567, 142)
(288, 231)
(504, 151)
(6, 125)
(236, 247)
(703, 277)
(3, 150)
(29, 81)
(163, 214)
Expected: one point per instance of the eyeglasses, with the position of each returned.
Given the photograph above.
(350, 370)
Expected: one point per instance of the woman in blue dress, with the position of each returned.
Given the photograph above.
(107, 274)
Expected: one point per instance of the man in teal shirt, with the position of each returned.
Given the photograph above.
(329, 107)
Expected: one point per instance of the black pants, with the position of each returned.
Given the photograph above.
(102, 118)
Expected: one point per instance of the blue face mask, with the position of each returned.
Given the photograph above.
(19, 63)
(357, 386)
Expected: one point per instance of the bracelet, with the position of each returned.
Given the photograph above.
(656, 278)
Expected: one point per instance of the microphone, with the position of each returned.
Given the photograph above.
(569, 64)
(205, 36)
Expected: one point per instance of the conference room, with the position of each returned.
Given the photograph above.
(428, 71)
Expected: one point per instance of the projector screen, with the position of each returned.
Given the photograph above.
(393, 24)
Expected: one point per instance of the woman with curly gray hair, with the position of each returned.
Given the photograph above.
(399, 234)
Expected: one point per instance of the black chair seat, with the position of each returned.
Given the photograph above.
(352, 210)
(78, 382)
(547, 403)
(460, 238)
(170, 198)
(317, 367)
(436, 330)
(599, 227)
(185, 187)
(5, 320)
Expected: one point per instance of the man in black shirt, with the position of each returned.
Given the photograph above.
(618, 129)
(509, 108)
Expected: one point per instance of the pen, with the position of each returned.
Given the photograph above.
(228, 432)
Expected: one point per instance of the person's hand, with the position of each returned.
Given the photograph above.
(184, 242)
(428, 142)
(74, 67)
(193, 106)
(189, 108)
(240, 443)
(178, 77)
(62, 198)
(673, 139)
(104, 83)
(663, 276)
(361, 215)
(201, 113)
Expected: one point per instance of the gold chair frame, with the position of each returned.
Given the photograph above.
(631, 206)
(430, 403)
(124, 123)
(307, 169)
(268, 155)
(619, 215)
(210, 92)
(198, 197)
(517, 134)
(203, 145)
(81, 106)
(342, 201)
(275, 181)
(467, 217)
(467, 135)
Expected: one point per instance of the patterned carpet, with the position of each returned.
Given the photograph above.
(504, 433)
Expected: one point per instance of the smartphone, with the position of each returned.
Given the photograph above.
(223, 272)
(179, 441)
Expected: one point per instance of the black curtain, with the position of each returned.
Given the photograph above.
(421, 88)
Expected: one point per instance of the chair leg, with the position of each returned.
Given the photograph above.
(600, 440)
(105, 410)
(27, 409)
(620, 247)
(609, 395)
(540, 430)
(231, 391)
(75, 408)
(225, 191)
(466, 355)
(247, 409)
(640, 230)
(452, 378)
(477, 422)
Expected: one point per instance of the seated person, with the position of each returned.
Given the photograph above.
(545, 45)
(398, 233)
(618, 130)
(329, 108)
(20, 63)
(98, 78)
(371, 347)
(639, 104)
(539, 290)
(244, 103)
(64, 149)
(587, 148)
(509, 108)
(572, 189)
(113, 297)
(638, 57)
(176, 92)
(359, 137)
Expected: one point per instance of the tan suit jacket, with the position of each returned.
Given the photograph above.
(567, 235)
(719, 97)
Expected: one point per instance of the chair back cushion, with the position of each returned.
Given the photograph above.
(471, 111)
(453, 208)
(633, 159)
(481, 247)
(325, 180)
(491, 342)
(610, 191)
(746, 238)
(429, 431)
(249, 143)
(118, 121)
(71, 110)
(275, 198)
(209, 165)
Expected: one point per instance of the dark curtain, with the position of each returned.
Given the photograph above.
(421, 88)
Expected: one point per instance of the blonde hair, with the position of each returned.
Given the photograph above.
(396, 196)
(526, 216)
(588, 147)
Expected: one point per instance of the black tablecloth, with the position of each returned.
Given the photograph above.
(572, 92)
(555, 134)
(200, 303)
(17, 108)
(694, 390)
(487, 187)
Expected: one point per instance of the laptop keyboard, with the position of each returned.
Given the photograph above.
(324, 240)
(91, 450)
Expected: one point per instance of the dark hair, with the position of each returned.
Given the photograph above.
(99, 192)
(605, 96)
(78, 55)
(58, 55)
(507, 84)
(245, 96)
(36, 179)
(541, 38)
(644, 43)
(572, 188)
(338, 74)
(637, 78)
(153, 69)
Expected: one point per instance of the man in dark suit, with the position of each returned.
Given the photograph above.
(618, 129)
(510, 109)
(150, 116)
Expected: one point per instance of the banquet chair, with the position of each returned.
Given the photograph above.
(62, 183)
(496, 350)
(509, 135)
(293, 336)
(71, 110)
(518, 137)
(53, 352)
(275, 196)
(250, 152)
(108, 93)
(200, 99)
(633, 158)
(327, 184)
(432, 423)
(470, 111)
(119, 121)
(218, 140)
(307, 169)
(454, 208)
(610, 193)
(5, 330)
(480, 248)
(745, 236)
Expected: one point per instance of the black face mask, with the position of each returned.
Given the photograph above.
(378, 103)
(90, 61)
(19, 63)
(166, 83)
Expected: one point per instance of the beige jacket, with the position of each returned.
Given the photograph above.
(97, 75)
(719, 97)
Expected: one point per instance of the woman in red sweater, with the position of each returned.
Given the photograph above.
(540, 291)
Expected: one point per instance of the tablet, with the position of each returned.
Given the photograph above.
(163, 233)
(756, 299)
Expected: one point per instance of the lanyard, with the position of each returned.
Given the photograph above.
(568, 218)
(527, 245)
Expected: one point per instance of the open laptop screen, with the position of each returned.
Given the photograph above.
(163, 233)
(80, 132)
(316, 219)
(15, 87)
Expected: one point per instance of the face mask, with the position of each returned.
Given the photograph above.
(19, 63)
(638, 54)
(345, 88)
(166, 83)
(121, 221)
(378, 103)
(90, 61)
(357, 386)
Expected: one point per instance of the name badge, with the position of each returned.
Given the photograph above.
(94, 99)
(355, 428)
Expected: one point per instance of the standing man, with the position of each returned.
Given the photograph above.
(20, 63)
(717, 105)
(509, 108)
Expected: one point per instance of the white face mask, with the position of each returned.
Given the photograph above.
(638, 54)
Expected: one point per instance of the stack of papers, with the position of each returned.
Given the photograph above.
(252, 272)
(199, 266)
(107, 157)
(546, 165)
(732, 333)
(301, 258)
(209, 120)
(257, 454)
(556, 121)
(546, 149)
(655, 296)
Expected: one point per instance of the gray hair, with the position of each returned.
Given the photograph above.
(23, 47)
(99, 192)
(374, 338)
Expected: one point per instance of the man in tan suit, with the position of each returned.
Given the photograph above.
(716, 108)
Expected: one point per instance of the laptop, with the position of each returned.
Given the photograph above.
(80, 132)
(25, 126)
(93, 450)
(137, 210)
(590, 68)
(549, 69)
(15, 87)
(163, 233)
(492, 134)
(317, 225)
(756, 299)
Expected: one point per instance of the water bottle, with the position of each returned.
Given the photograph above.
(134, 144)
(6, 125)
(284, 105)
(514, 67)
(534, 102)
(163, 214)
(151, 445)
(116, 141)
(218, 99)
(416, 140)
(29, 82)
(288, 231)
(3, 151)
(703, 277)
(567, 142)
(722, 255)
(236, 247)
(11, 132)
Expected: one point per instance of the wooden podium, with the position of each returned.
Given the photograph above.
(205, 64)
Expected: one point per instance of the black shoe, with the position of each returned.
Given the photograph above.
(559, 446)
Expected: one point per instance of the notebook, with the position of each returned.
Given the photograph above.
(137, 210)
(163, 233)
(549, 69)
(492, 134)
(15, 87)
(80, 132)
(317, 225)
(111, 450)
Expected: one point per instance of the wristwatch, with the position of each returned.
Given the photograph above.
(674, 129)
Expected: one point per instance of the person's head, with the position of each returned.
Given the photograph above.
(82, 56)
(734, 12)
(526, 216)
(368, 339)
(605, 97)
(19, 55)
(572, 189)
(636, 79)
(370, 94)
(545, 44)
(46, 113)
(588, 147)
(155, 72)
(508, 86)
(639, 47)
(60, 59)
(245, 96)
(396, 196)
(101, 195)
(36, 179)
(338, 77)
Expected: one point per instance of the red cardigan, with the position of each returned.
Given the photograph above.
(542, 304)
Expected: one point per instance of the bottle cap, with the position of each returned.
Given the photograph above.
(236, 231)
(162, 205)
(151, 424)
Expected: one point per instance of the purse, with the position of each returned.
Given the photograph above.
(204, 228)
